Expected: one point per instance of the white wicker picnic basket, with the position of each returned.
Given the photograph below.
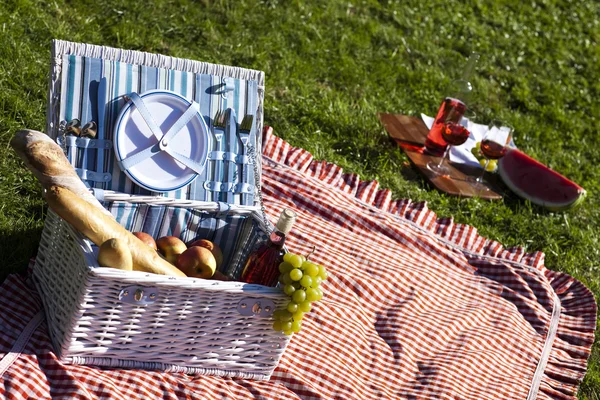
(122, 319)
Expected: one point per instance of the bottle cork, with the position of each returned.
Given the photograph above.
(286, 221)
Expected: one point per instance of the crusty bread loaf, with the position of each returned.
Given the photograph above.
(49, 164)
(99, 227)
(68, 196)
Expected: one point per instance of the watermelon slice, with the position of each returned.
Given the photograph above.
(537, 183)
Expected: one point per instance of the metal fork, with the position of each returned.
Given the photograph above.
(219, 132)
(244, 134)
(245, 127)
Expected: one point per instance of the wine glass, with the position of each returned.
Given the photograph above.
(452, 107)
(493, 147)
(455, 134)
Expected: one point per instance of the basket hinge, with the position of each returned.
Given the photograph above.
(139, 295)
(249, 307)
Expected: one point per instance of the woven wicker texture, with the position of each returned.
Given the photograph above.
(193, 326)
(90, 83)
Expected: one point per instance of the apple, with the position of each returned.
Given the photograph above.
(197, 262)
(170, 247)
(213, 247)
(144, 237)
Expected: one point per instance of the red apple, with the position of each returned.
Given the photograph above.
(144, 237)
(170, 247)
(197, 262)
(213, 247)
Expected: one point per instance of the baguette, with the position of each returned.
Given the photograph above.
(48, 163)
(99, 227)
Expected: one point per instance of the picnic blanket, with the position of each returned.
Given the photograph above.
(416, 307)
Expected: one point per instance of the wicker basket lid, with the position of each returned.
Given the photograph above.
(201, 161)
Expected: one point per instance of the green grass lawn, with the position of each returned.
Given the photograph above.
(330, 67)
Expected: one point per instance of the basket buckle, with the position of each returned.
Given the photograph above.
(139, 295)
(249, 307)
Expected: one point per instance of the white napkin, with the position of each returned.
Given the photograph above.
(462, 154)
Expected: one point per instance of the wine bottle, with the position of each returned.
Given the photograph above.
(452, 108)
(262, 266)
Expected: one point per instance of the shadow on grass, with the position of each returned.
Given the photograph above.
(18, 244)
(410, 173)
(16, 249)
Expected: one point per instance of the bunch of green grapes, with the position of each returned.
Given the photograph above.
(300, 280)
(476, 151)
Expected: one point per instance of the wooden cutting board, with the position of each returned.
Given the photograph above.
(410, 134)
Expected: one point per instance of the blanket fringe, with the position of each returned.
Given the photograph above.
(571, 348)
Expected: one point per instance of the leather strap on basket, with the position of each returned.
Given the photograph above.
(163, 138)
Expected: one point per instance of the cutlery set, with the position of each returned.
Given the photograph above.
(228, 175)
(233, 173)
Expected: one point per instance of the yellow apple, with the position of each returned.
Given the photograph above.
(170, 247)
(213, 247)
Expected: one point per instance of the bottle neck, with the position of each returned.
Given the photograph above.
(470, 66)
(461, 90)
(277, 238)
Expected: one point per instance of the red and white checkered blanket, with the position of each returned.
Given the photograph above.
(415, 308)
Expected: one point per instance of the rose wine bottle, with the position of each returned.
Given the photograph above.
(451, 110)
(262, 266)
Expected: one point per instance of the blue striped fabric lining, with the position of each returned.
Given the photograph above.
(81, 99)
(236, 235)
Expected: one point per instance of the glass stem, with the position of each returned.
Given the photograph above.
(480, 179)
(444, 156)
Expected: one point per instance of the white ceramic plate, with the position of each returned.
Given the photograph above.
(161, 173)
